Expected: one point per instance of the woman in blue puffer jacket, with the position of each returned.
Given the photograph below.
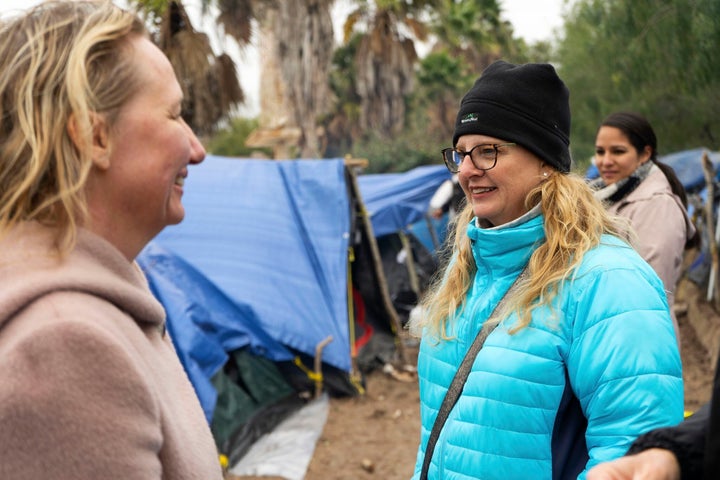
(584, 357)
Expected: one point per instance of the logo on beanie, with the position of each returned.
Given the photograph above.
(470, 117)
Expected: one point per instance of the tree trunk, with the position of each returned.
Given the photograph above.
(296, 44)
(385, 76)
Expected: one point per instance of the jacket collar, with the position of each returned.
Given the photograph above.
(507, 247)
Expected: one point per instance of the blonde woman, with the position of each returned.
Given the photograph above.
(583, 358)
(93, 156)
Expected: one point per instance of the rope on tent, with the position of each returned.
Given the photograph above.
(315, 377)
(351, 306)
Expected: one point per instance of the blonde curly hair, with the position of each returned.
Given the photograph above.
(60, 63)
(574, 223)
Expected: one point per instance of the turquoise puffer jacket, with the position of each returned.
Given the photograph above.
(608, 357)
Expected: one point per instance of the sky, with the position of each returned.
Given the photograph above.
(532, 20)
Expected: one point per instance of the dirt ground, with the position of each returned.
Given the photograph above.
(375, 436)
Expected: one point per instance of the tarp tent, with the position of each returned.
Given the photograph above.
(397, 204)
(221, 345)
(273, 235)
(260, 267)
(688, 166)
(396, 200)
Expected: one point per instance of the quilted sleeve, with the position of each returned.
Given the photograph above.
(623, 363)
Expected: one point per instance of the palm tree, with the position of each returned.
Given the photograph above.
(209, 82)
(473, 31)
(296, 44)
(296, 41)
(468, 36)
(385, 60)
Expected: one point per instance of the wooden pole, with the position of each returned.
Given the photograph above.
(709, 172)
(410, 263)
(318, 364)
(379, 272)
(433, 232)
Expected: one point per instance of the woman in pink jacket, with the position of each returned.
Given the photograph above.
(635, 185)
(93, 156)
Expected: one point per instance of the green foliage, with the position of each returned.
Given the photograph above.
(431, 110)
(538, 52)
(655, 57)
(441, 74)
(230, 141)
(472, 30)
(398, 154)
(343, 73)
(151, 10)
(470, 34)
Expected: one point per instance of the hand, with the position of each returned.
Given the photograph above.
(652, 464)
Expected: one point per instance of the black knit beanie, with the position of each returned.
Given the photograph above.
(525, 104)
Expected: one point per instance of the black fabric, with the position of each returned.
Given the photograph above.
(712, 446)
(695, 442)
(686, 441)
(526, 104)
(258, 424)
(457, 201)
(568, 446)
(397, 275)
(247, 385)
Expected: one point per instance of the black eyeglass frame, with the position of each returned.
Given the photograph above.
(454, 167)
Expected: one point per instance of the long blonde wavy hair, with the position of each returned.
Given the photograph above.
(574, 223)
(60, 62)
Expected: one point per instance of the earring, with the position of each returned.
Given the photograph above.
(544, 174)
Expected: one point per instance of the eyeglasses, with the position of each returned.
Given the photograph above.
(483, 156)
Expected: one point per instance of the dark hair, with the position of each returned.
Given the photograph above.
(641, 135)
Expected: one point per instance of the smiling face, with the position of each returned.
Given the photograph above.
(136, 186)
(615, 157)
(498, 195)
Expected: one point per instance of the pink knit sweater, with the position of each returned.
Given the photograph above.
(90, 385)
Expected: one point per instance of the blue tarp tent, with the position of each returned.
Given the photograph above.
(397, 200)
(272, 236)
(203, 322)
(688, 166)
(261, 258)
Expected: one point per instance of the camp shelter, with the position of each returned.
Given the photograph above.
(688, 166)
(397, 200)
(407, 239)
(264, 269)
(241, 375)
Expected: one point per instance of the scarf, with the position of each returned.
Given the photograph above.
(615, 192)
